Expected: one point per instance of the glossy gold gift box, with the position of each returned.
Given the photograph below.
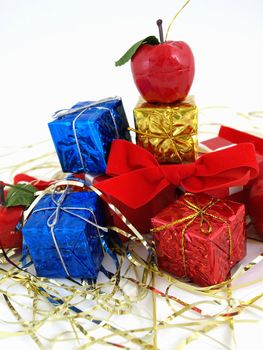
(168, 131)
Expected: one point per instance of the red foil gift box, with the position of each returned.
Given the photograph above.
(200, 238)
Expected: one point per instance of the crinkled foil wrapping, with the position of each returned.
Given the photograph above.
(93, 316)
(95, 129)
(79, 242)
(169, 131)
(204, 257)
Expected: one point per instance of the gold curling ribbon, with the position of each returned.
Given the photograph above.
(61, 312)
(169, 27)
(161, 325)
(204, 215)
(127, 334)
(138, 261)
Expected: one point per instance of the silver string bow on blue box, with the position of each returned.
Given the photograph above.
(65, 236)
(83, 134)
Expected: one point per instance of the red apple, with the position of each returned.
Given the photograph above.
(163, 73)
(9, 217)
(11, 213)
(10, 237)
(255, 205)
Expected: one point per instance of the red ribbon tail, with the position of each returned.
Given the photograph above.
(233, 166)
(39, 184)
(237, 137)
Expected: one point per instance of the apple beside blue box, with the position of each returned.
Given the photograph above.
(61, 237)
(83, 134)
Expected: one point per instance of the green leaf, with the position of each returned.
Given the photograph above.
(20, 194)
(151, 40)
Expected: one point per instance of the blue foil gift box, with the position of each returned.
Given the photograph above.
(83, 134)
(63, 235)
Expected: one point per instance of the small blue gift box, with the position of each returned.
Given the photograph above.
(83, 135)
(61, 237)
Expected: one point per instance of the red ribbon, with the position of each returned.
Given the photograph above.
(39, 184)
(237, 136)
(138, 178)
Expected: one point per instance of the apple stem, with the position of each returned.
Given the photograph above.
(159, 23)
(2, 194)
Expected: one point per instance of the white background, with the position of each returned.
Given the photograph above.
(57, 52)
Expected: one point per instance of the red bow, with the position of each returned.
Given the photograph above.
(137, 176)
